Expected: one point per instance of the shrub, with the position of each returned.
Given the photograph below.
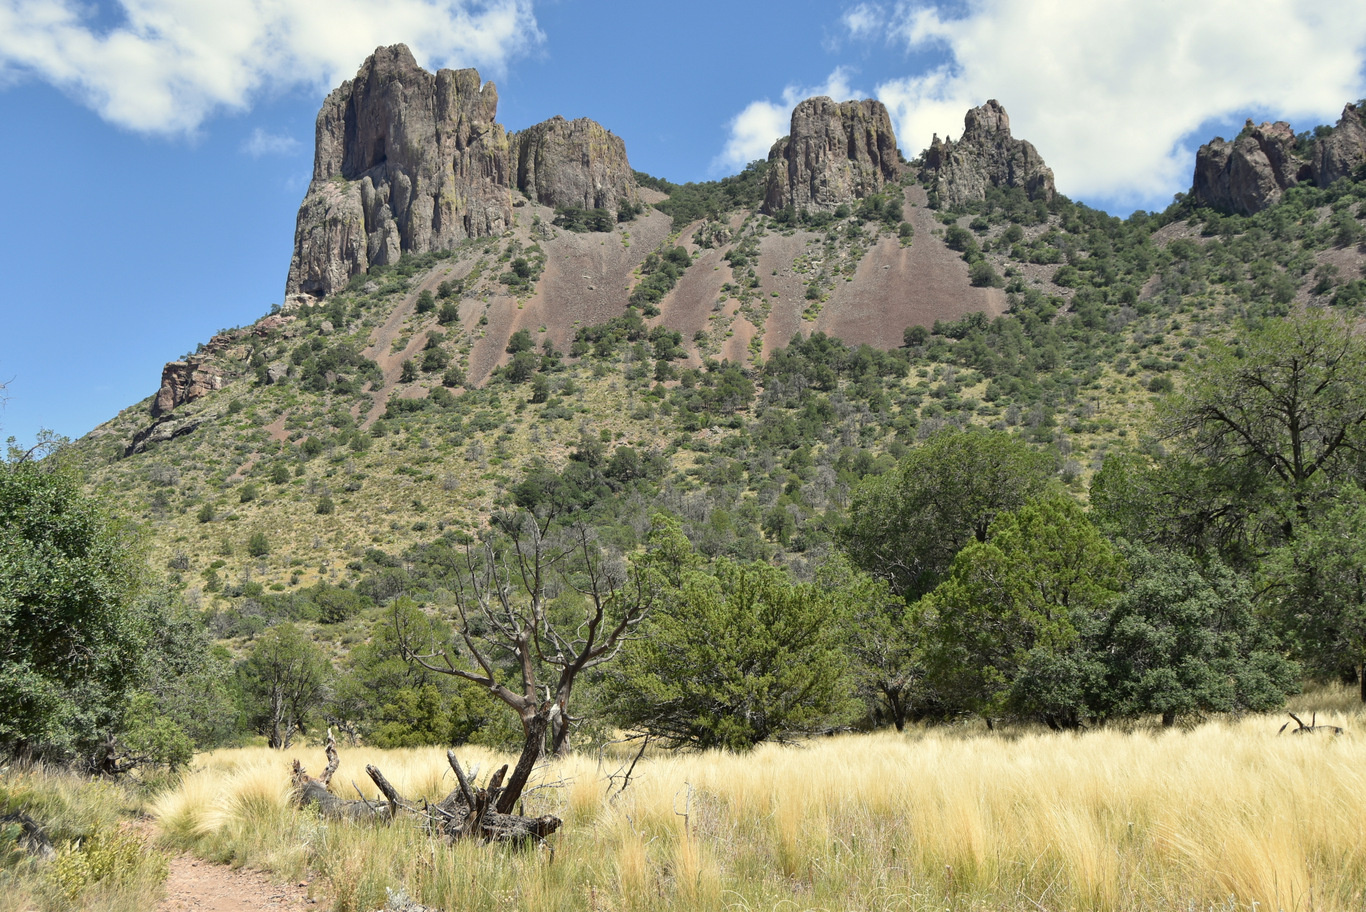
(258, 545)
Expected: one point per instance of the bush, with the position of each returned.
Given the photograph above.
(258, 545)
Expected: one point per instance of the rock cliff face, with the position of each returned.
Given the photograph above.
(1255, 169)
(835, 153)
(406, 160)
(1343, 151)
(1250, 173)
(184, 381)
(985, 156)
(412, 161)
(573, 163)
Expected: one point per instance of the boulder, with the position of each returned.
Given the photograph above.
(986, 155)
(835, 153)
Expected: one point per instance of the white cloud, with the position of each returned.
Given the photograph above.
(262, 143)
(754, 130)
(865, 20)
(172, 63)
(1112, 94)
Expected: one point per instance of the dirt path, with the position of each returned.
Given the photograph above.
(200, 886)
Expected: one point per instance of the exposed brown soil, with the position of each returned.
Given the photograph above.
(195, 885)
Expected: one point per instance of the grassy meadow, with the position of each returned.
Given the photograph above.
(1225, 815)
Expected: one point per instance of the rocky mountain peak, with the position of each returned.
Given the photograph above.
(1262, 162)
(1249, 173)
(574, 163)
(409, 161)
(836, 152)
(986, 155)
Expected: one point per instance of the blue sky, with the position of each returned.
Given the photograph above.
(155, 151)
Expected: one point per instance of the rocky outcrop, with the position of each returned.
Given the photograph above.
(985, 156)
(185, 381)
(409, 161)
(1250, 173)
(1256, 168)
(574, 163)
(836, 152)
(1342, 152)
(406, 160)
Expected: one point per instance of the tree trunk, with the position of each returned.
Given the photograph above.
(1169, 718)
(1361, 679)
(897, 706)
(531, 752)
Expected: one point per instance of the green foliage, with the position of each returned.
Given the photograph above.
(426, 302)
(258, 545)
(282, 681)
(735, 658)
(907, 526)
(408, 372)
(1006, 633)
(710, 199)
(71, 643)
(1317, 589)
(1183, 640)
(1288, 403)
(578, 219)
(661, 270)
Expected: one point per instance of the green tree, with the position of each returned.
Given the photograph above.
(886, 667)
(258, 545)
(1316, 588)
(1183, 640)
(283, 680)
(1288, 401)
(906, 526)
(740, 656)
(71, 644)
(1006, 633)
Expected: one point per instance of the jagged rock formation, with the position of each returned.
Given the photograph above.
(985, 156)
(835, 153)
(185, 381)
(1250, 173)
(406, 160)
(1262, 162)
(574, 163)
(412, 161)
(1341, 152)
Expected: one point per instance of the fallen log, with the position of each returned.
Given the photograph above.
(1312, 728)
(466, 813)
(313, 791)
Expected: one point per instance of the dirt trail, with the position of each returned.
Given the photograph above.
(200, 886)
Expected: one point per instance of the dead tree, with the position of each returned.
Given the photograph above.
(313, 791)
(502, 611)
(1312, 728)
(466, 813)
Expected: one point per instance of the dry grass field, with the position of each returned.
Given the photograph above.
(1224, 815)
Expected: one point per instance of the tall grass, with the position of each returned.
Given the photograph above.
(101, 865)
(1226, 815)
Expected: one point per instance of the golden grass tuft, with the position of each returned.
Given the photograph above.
(1227, 814)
